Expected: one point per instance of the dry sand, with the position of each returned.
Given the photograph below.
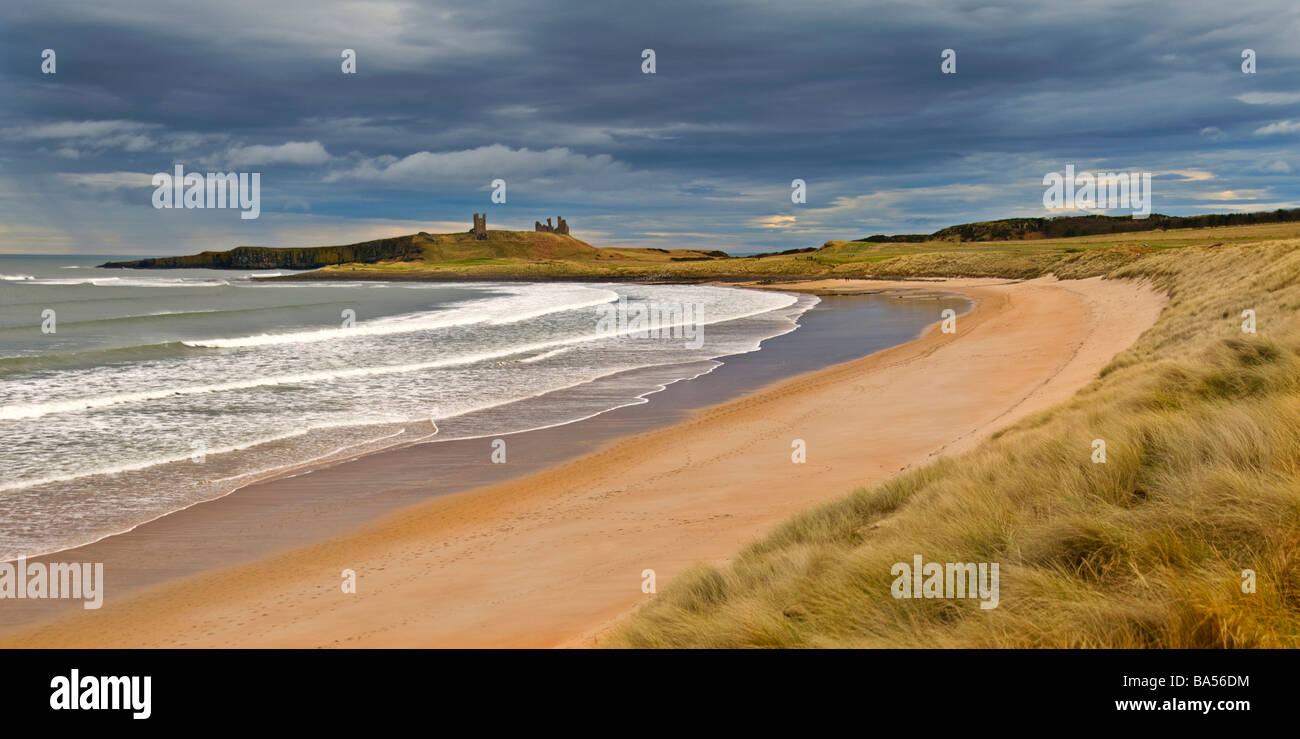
(555, 557)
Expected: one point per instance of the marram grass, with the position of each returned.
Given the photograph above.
(1202, 481)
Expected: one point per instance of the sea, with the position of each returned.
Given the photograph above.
(126, 395)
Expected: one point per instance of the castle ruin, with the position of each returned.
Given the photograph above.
(480, 227)
(561, 226)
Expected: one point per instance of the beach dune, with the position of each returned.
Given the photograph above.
(554, 558)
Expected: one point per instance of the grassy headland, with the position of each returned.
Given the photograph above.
(1202, 482)
(502, 255)
(527, 255)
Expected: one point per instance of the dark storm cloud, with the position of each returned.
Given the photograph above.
(747, 96)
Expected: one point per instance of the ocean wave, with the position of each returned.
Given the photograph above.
(546, 355)
(16, 278)
(129, 282)
(161, 350)
(187, 455)
(37, 410)
(200, 492)
(181, 313)
(525, 304)
(492, 386)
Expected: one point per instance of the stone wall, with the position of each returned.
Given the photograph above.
(561, 226)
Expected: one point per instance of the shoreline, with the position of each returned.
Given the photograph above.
(252, 508)
(485, 542)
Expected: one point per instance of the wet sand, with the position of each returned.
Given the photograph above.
(555, 555)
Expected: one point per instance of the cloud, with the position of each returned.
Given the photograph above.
(292, 152)
(88, 137)
(886, 199)
(109, 180)
(1244, 207)
(1234, 194)
(481, 165)
(1287, 126)
(302, 230)
(1269, 98)
(453, 94)
(385, 33)
(1188, 175)
(79, 130)
(75, 139)
(515, 111)
(775, 221)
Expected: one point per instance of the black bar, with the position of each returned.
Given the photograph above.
(925, 689)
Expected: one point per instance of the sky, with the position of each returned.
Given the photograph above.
(746, 97)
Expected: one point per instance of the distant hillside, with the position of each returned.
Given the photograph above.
(1020, 229)
(524, 245)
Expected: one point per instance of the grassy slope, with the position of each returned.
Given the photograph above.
(1202, 425)
(502, 246)
(520, 255)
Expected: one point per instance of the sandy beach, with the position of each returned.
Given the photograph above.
(555, 557)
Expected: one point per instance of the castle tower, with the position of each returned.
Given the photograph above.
(561, 226)
(480, 226)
